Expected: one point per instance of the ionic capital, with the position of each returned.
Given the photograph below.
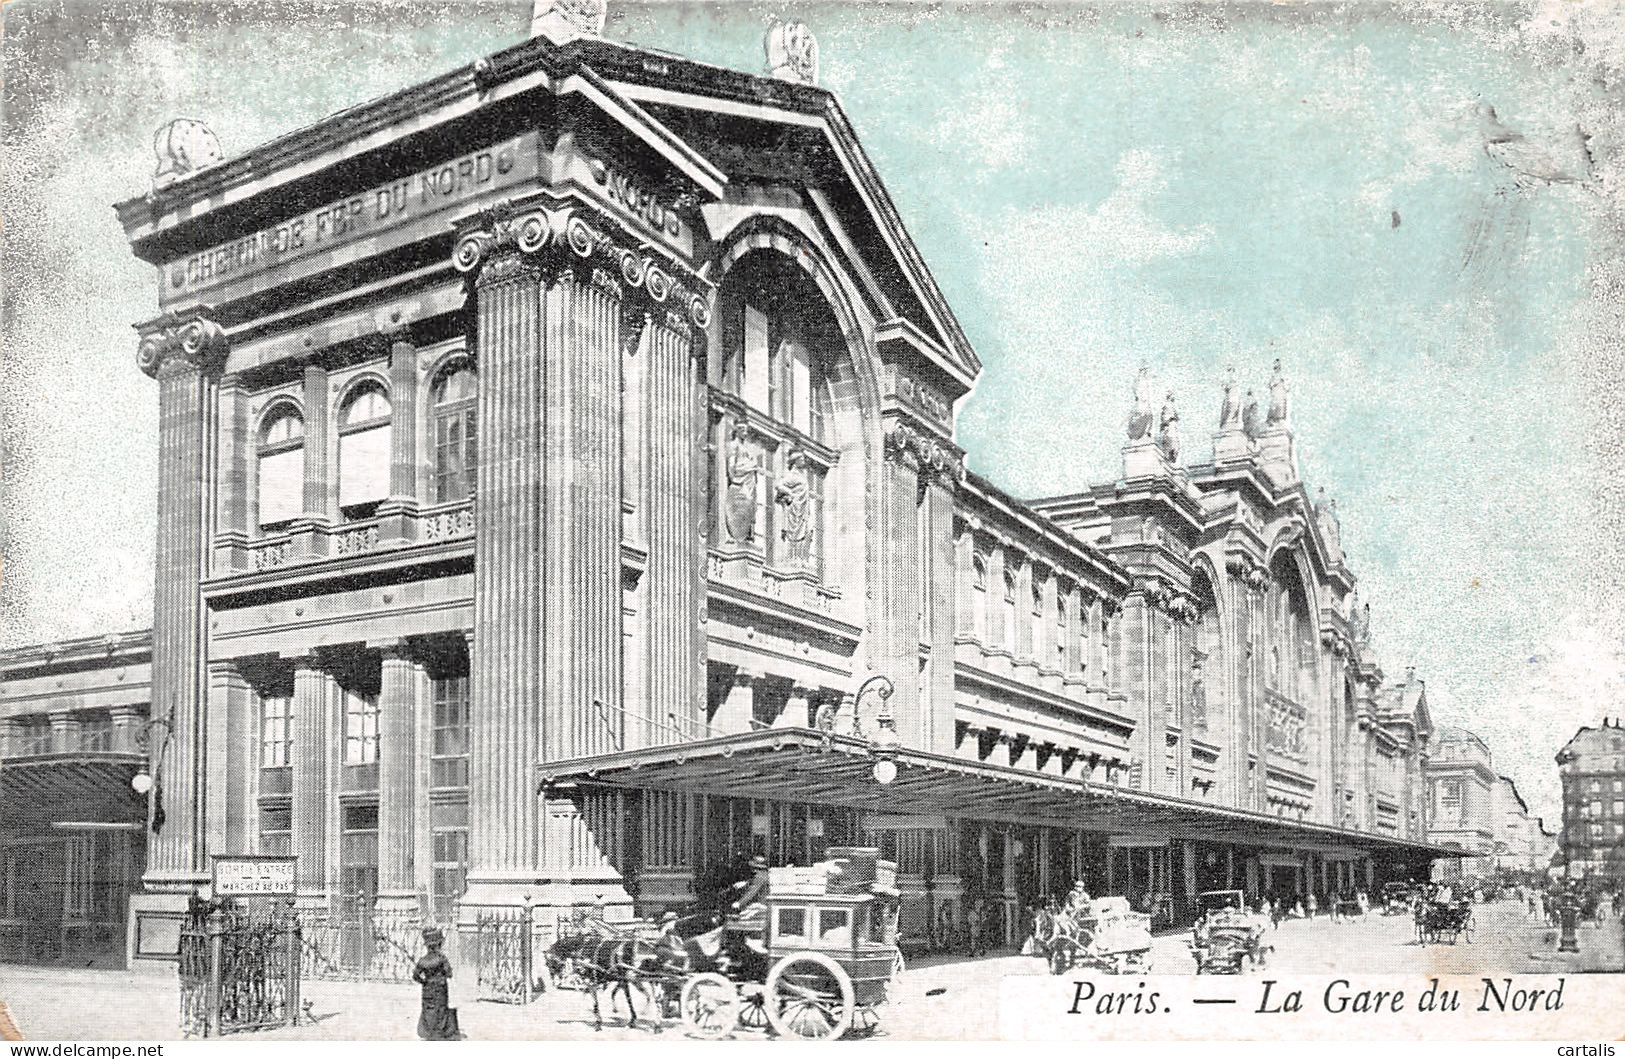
(506, 240)
(920, 452)
(181, 341)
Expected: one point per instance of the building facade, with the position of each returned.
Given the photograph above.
(1591, 766)
(1523, 846)
(1461, 781)
(559, 505)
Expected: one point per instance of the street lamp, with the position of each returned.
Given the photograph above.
(147, 784)
(884, 740)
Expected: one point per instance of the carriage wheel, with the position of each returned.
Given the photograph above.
(809, 996)
(709, 1006)
(753, 1008)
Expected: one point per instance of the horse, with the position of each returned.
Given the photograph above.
(606, 956)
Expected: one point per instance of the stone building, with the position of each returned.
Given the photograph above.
(1591, 766)
(1523, 846)
(1461, 781)
(559, 504)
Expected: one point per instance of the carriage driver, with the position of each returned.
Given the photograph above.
(753, 890)
(1078, 900)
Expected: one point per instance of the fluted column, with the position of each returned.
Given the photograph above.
(398, 709)
(549, 286)
(403, 439)
(313, 693)
(231, 522)
(897, 648)
(232, 744)
(318, 440)
(185, 356)
(673, 668)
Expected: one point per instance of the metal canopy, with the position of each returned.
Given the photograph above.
(90, 785)
(799, 764)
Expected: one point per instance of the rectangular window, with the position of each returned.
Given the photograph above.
(448, 830)
(363, 469)
(276, 731)
(454, 455)
(756, 385)
(360, 728)
(358, 851)
(797, 386)
(281, 488)
(96, 732)
(1619, 807)
(276, 830)
(448, 748)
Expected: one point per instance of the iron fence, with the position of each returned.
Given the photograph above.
(239, 968)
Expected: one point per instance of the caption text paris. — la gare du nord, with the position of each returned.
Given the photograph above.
(1339, 997)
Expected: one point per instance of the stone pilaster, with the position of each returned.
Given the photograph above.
(398, 710)
(313, 697)
(65, 728)
(232, 504)
(673, 664)
(185, 356)
(318, 442)
(232, 743)
(897, 649)
(395, 515)
(936, 732)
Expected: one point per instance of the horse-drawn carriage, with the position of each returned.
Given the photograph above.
(1103, 935)
(1439, 921)
(1398, 898)
(1226, 934)
(806, 962)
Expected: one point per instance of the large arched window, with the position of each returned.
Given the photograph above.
(451, 401)
(363, 450)
(1007, 632)
(281, 468)
(978, 600)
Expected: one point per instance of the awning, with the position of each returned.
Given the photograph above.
(802, 765)
(89, 786)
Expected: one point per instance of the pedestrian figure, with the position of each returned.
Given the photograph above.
(437, 1020)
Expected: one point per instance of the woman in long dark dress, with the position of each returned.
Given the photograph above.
(436, 1021)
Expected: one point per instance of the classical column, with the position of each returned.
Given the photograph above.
(185, 356)
(548, 285)
(398, 710)
(395, 515)
(65, 732)
(942, 574)
(233, 739)
(318, 440)
(231, 525)
(673, 661)
(313, 696)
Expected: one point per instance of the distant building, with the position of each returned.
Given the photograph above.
(1461, 780)
(1523, 846)
(1592, 768)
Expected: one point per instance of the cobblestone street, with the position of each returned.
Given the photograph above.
(936, 998)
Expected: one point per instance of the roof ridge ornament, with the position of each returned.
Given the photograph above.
(183, 146)
(565, 20)
(792, 52)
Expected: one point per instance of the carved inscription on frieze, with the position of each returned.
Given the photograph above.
(643, 204)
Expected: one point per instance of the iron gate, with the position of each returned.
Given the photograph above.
(239, 967)
(505, 957)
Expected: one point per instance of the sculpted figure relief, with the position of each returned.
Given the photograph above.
(739, 516)
(792, 53)
(1278, 397)
(1230, 407)
(1249, 418)
(1169, 437)
(794, 494)
(1140, 417)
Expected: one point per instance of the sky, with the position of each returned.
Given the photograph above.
(1095, 187)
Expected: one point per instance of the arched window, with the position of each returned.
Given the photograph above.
(363, 450)
(281, 468)
(1036, 622)
(1007, 634)
(978, 600)
(451, 401)
(1062, 640)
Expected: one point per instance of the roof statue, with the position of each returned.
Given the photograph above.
(1249, 417)
(1169, 436)
(1230, 407)
(1279, 397)
(792, 52)
(183, 146)
(562, 20)
(1140, 418)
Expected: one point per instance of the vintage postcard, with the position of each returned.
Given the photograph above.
(620, 520)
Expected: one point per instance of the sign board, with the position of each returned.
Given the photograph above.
(254, 876)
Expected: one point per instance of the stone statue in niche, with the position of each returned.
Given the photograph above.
(793, 493)
(1198, 690)
(1169, 436)
(792, 53)
(1279, 397)
(1249, 418)
(1230, 407)
(1140, 417)
(739, 506)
